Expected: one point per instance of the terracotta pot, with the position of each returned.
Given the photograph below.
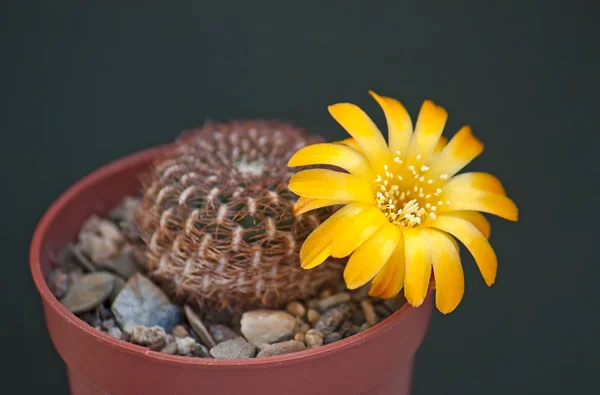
(376, 361)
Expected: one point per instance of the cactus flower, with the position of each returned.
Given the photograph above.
(403, 203)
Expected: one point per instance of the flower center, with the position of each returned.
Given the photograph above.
(406, 195)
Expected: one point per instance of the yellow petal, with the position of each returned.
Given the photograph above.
(399, 124)
(474, 217)
(474, 240)
(349, 142)
(418, 266)
(331, 185)
(304, 204)
(429, 128)
(458, 153)
(317, 246)
(478, 200)
(365, 132)
(447, 270)
(475, 180)
(358, 231)
(441, 144)
(370, 257)
(390, 280)
(334, 155)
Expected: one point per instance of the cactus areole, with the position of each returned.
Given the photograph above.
(217, 217)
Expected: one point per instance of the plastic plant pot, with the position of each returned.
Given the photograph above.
(377, 361)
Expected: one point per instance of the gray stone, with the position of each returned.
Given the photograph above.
(143, 303)
(333, 300)
(282, 348)
(361, 293)
(125, 211)
(358, 317)
(266, 326)
(96, 247)
(153, 337)
(109, 323)
(332, 338)
(115, 332)
(330, 321)
(124, 265)
(221, 333)
(88, 292)
(102, 228)
(198, 326)
(232, 349)
(382, 310)
(58, 282)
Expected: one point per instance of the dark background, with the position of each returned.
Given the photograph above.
(86, 82)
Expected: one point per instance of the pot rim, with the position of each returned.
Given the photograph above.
(107, 171)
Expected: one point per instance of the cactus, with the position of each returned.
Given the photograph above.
(217, 217)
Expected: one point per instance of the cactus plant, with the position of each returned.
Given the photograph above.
(217, 217)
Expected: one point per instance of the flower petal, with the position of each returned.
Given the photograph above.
(475, 241)
(442, 142)
(304, 204)
(447, 269)
(475, 180)
(365, 132)
(399, 124)
(334, 155)
(390, 280)
(317, 246)
(429, 128)
(370, 257)
(358, 231)
(478, 200)
(349, 142)
(459, 152)
(418, 266)
(331, 185)
(474, 217)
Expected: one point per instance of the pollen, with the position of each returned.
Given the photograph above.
(405, 193)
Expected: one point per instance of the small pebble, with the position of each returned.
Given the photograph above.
(153, 337)
(96, 247)
(358, 317)
(296, 308)
(299, 337)
(232, 349)
(301, 326)
(221, 333)
(58, 282)
(125, 211)
(360, 294)
(266, 326)
(333, 300)
(185, 345)
(198, 326)
(115, 332)
(89, 291)
(124, 265)
(364, 327)
(179, 331)
(327, 292)
(350, 331)
(381, 310)
(313, 338)
(395, 303)
(82, 260)
(103, 228)
(369, 312)
(332, 338)
(287, 347)
(109, 323)
(330, 321)
(70, 256)
(313, 316)
(312, 303)
(170, 349)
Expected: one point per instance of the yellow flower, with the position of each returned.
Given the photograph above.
(403, 203)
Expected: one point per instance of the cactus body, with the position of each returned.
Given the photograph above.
(217, 217)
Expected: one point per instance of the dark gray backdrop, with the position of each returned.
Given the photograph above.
(85, 82)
